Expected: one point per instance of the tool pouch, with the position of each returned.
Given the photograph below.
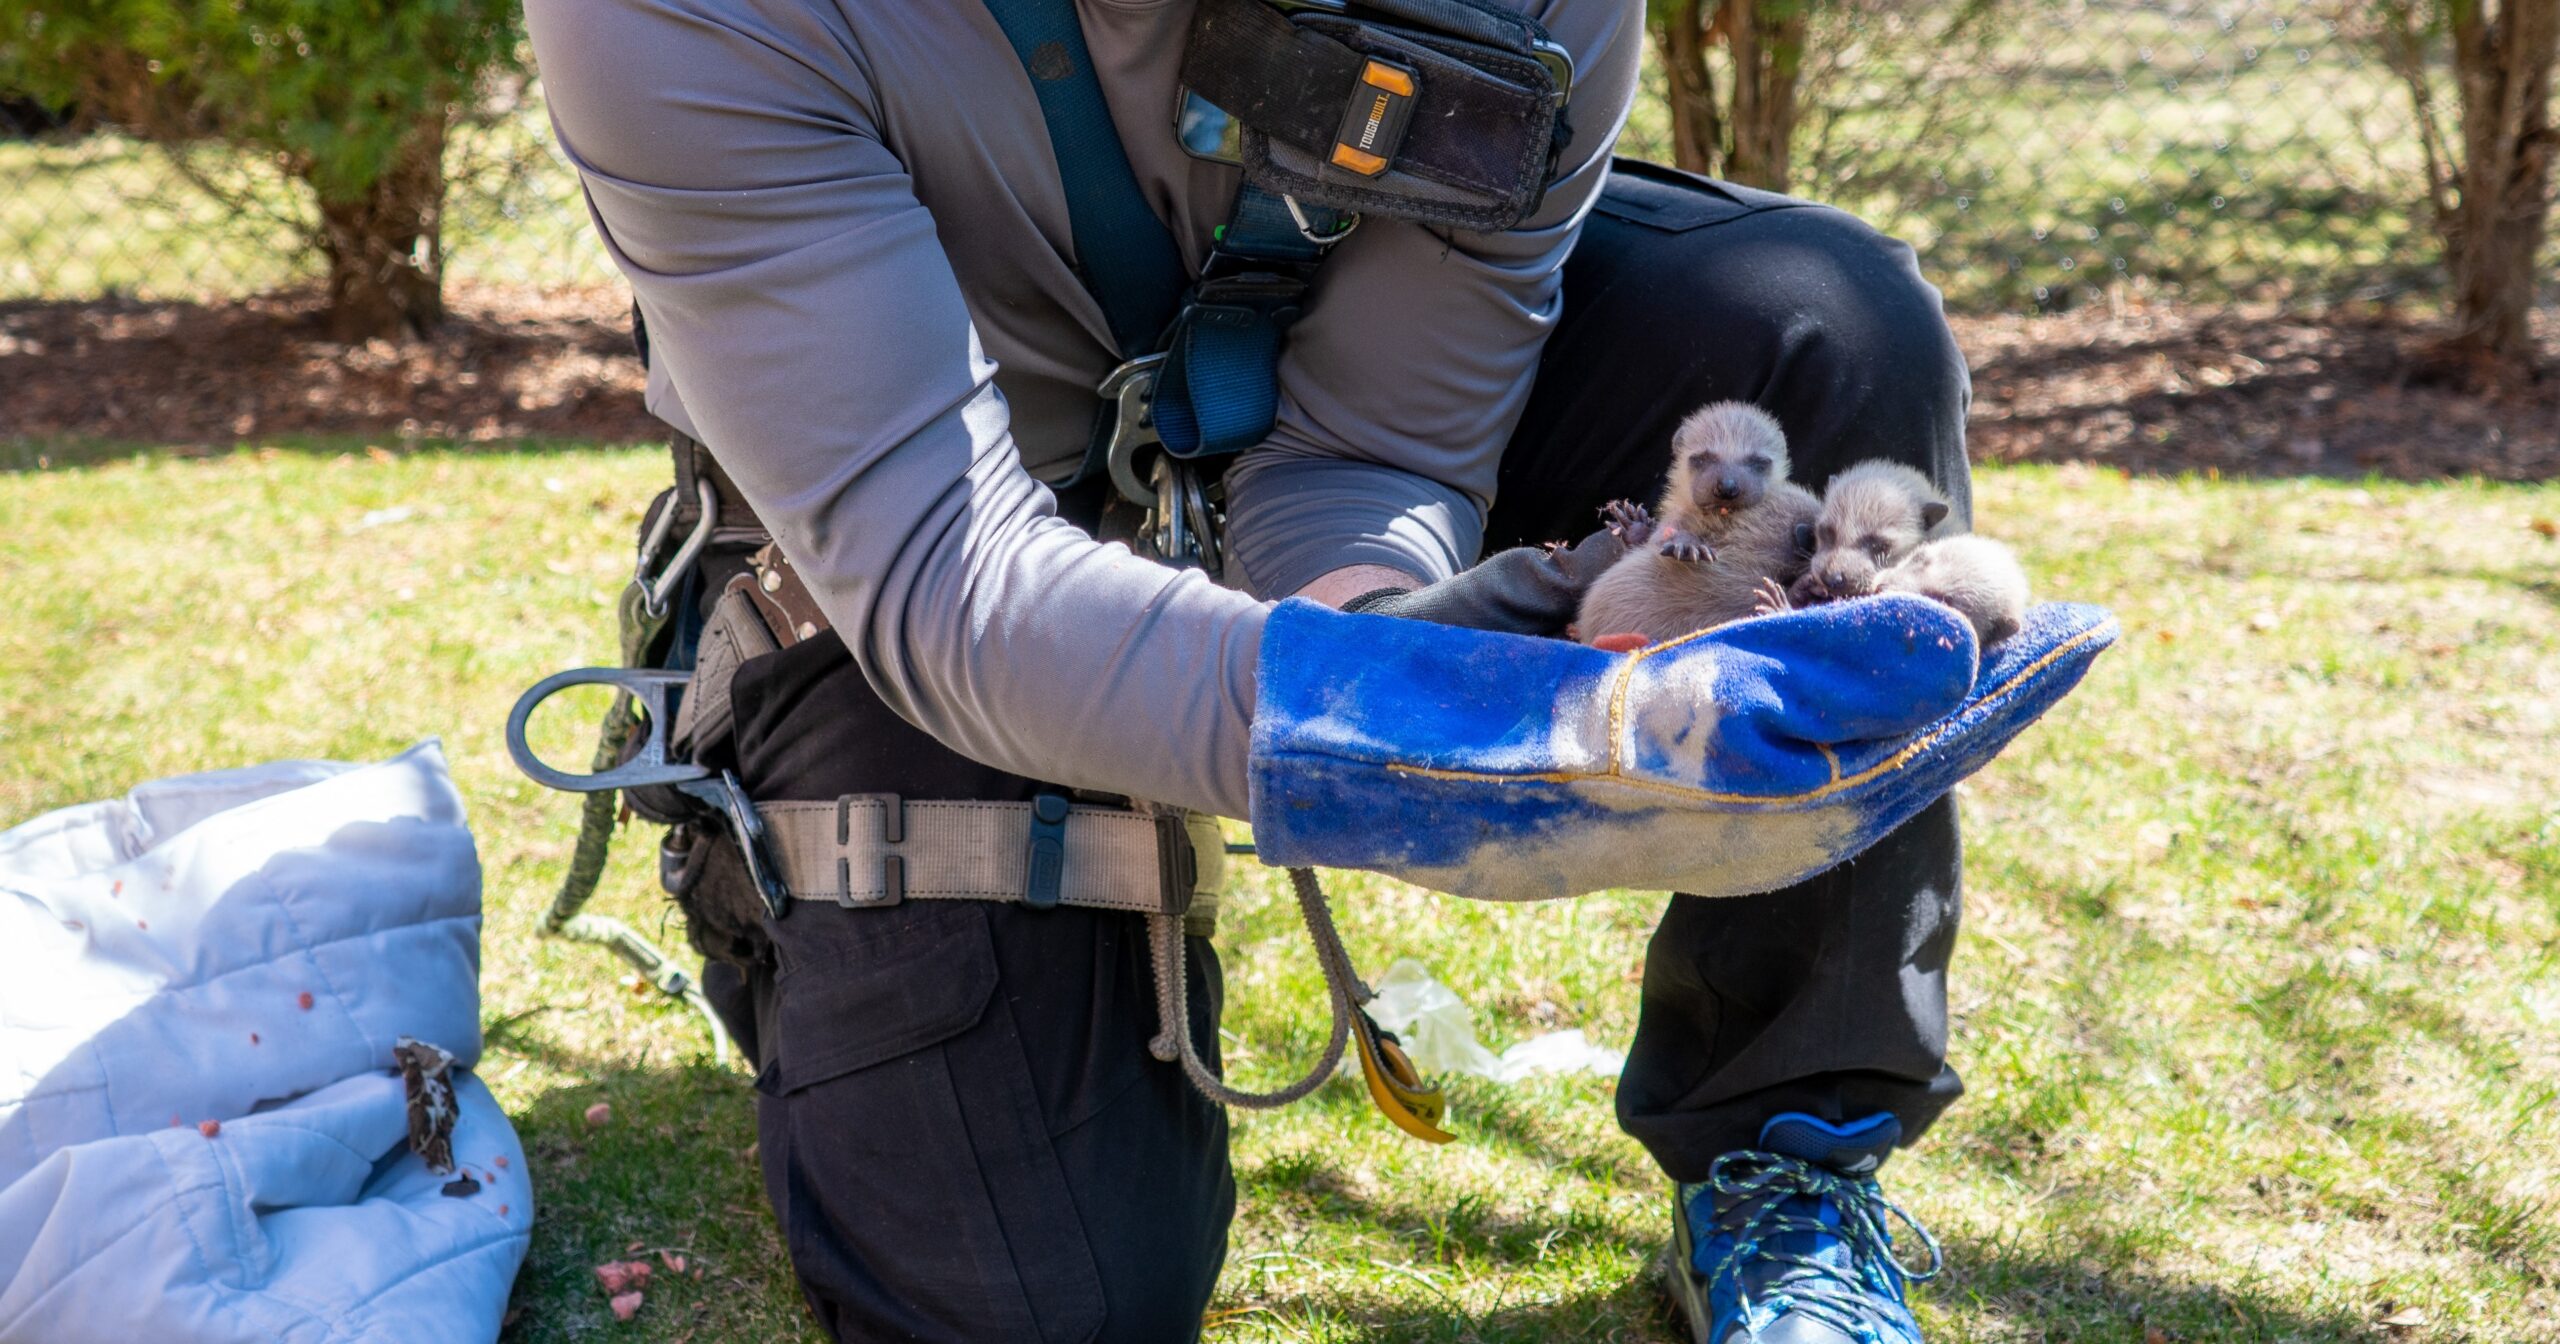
(1448, 112)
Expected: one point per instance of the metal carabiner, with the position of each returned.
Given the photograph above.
(1131, 390)
(654, 592)
(651, 687)
(1186, 529)
(649, 767)
(1307, 230)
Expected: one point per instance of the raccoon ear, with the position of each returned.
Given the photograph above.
(1932, 513)
(1804, 538)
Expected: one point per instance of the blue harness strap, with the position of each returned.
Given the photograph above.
(1124, 254)
(1217, 391)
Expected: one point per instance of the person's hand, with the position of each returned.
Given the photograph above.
(1527, 590)
(1735, 761)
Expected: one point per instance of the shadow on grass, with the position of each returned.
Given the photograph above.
(1989, 1288)
(667, 1168)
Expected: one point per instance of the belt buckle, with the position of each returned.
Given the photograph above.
(725, 793)
(893, 866)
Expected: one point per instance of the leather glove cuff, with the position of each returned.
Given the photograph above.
(1526, 590)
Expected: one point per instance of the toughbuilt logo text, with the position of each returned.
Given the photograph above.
(1373, 125)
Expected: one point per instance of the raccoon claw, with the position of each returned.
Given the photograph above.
(1770, 598)
(1628, 521)
(1687, 549)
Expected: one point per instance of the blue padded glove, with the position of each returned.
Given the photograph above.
(1739, 760)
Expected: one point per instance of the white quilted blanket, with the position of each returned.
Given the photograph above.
(201, 1136)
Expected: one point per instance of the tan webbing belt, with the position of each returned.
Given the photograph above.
(876, 849)
(866, 851)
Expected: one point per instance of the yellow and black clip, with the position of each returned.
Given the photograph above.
(1395, 1085)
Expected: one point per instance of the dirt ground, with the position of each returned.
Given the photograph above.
(2253, 391)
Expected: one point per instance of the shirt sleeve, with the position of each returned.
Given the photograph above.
(1401, 385)
(804, 311)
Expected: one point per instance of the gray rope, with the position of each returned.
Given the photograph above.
(596, 822)
(1343, 991)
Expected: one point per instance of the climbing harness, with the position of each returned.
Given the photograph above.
(1446, 112)
(875, 851)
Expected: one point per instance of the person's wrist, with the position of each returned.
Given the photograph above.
(1340, 588)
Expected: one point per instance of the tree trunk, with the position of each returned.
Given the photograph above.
(2494, 234)
(385, 247)
(1767, 41)
(1752, 140)
(1681, 39)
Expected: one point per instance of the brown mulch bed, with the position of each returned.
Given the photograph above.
(2159, 389)
(506, 365)
(2249, 391)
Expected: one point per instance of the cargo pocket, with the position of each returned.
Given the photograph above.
(902, 1138)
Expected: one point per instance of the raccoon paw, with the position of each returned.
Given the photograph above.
(1770, 598)
(1628, 521)
(1679, 545)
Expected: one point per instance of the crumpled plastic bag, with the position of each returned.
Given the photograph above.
(1439, 1033)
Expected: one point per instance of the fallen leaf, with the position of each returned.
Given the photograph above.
(625, 1306)
(673, 1261)
(2262, 619)
(2152, 1334)
(2545, 526)
(208, 1128)
(303, 1000)
(599, 1113)
(2406, 1318)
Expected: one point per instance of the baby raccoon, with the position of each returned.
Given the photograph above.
(1977, 576)
(1873, 514)
(1724, 459)
(1730, 522)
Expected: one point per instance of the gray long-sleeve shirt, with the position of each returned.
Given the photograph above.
(846, 231)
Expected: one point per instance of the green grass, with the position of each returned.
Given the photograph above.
(2258, 1003)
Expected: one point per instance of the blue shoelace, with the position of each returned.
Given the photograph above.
(1752, 1190)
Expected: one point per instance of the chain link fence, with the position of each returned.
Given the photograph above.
(2061, 150)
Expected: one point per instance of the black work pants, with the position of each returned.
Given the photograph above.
(961, 1131)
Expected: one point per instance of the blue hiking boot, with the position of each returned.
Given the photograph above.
(1786, 1243)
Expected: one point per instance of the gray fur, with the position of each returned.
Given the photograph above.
(1729, 522)
(1977, 576)
(1724, 458)
(1873, 514)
